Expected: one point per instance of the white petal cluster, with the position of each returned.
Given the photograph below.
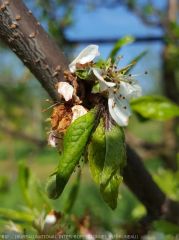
(119, 92)
(78, 111)
(50, 219)
(66, 90)
(87, 55)
(119, 95)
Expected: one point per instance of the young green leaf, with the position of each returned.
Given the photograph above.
(13, 215)
(51, 187)
(166, 227)
(23, 176)
(96, 152)
(83, 74)
(107, 157)
(75, 141)
(110, 191)
(119, 44)
(115, 159)
(32, 192)
(155, 107)
(134, 61)
(72, 194)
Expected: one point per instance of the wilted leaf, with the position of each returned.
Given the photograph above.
(155, 107)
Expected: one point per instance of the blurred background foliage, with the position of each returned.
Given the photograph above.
(24, 125)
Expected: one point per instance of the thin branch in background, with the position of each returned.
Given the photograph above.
(137, 39)
(23, 136)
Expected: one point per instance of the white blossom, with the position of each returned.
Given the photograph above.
(66, 90)
(86, 55)
(50, 219)
(78, 111)
(119, 94)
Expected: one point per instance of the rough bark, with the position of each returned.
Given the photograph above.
(22, 33)
(25, 36)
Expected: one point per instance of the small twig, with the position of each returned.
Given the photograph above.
(23, 136)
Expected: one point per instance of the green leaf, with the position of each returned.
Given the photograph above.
(110, 191)
(75, 141)
(96, 152)
(23, 176)
(115, 159)
(83, 73)
(134, 61)
(104, 64)
(16, 215)
(107, 157)
(31, 189)
(96, 88)
(51, 187)
(165, 227)
(69, 203)
(118, 45)
(155, 107)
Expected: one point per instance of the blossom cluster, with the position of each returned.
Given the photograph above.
(112, 83)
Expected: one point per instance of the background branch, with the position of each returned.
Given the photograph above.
(23, 136)
(41, 55)
(138, 39)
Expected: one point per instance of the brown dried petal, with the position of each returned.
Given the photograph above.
(61, 118)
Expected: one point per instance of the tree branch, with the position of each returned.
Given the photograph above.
(38, 51)
(23, 34)
(23, 136)
(138, 179)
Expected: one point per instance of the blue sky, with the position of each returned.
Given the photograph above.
(113, 22)
(118, 22)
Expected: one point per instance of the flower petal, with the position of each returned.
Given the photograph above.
(85, 56)
(119, 109)
(50, 219)
(78, 111)
(130, 90)
(53, 139)
(66, 90)
(104, 85)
